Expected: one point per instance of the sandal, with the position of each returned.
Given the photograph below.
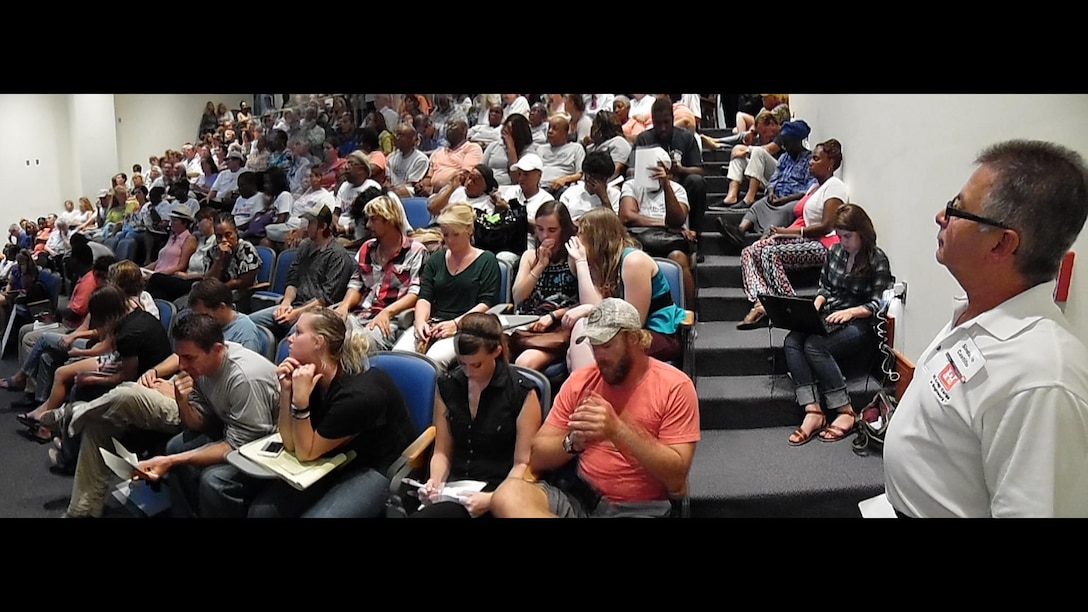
(834, 433)
(756, 318)
(8, 383)
(41, 435)
(27, 421)
(805, 438)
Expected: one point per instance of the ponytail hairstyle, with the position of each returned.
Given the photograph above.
(346, 343)
(480, 330)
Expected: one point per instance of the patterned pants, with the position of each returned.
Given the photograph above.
(764, 264)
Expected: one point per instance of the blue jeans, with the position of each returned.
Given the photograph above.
(213, 491)
(811, 360)
(266, 318)
(355, 492)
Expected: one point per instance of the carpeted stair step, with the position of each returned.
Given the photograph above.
(723, 350)
(759, 401)
(756, 474)
(730, 303)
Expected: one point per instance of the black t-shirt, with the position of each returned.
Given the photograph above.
(141, 335)
(370, 407)
(683, 143)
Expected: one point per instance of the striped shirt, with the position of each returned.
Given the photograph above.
(385, 283)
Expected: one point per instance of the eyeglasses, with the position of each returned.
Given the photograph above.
(950, 210)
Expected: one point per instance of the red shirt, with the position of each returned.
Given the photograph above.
(81, 296)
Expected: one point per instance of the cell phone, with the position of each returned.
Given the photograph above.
(271, 448)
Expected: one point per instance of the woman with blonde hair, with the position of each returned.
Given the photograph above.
(609, 264)
(457, 279)
(331, 401)
(87, 219)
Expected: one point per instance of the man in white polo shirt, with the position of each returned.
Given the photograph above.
(995, 421)
(224, 191)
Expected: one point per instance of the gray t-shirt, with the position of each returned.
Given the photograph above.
(560, 161)
(244, 395)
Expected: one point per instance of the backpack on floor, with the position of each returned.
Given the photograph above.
(872, 425)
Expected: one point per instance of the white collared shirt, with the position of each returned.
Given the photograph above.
(1010, 439)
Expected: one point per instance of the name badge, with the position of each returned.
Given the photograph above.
(967, 358)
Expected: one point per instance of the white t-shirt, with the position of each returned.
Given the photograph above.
(225, 183)
(652, 203)
(579, 201)
(309, 201)
(604, 102)
(520, 105)
(245, 208)
(813, 212)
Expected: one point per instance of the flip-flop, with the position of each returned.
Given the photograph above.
(34, 435)
(9, 384)
(27, 421)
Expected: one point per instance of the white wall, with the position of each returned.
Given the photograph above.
(905, 156)
(148, 124)
(94, 138)
(36, 130)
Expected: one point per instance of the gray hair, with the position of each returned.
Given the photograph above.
(1041, 190)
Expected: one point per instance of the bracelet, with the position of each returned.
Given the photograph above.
(300, 413)
(555, 319)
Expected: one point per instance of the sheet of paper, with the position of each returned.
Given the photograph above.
(876, 507)
(644, 160)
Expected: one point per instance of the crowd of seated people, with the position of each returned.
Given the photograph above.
(546, 186)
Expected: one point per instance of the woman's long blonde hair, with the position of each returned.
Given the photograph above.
(346, 343)
(604, 238)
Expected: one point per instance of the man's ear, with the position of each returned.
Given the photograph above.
(1008, 245)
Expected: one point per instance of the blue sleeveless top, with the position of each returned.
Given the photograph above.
(665, 315)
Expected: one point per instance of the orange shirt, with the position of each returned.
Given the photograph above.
(446, 163)
(663, 403)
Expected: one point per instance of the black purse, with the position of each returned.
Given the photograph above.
(507, 229)
(660, 241)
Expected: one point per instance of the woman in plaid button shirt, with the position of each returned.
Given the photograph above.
(853, 279)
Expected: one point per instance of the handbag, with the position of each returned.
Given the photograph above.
(551, 342)
(506, 229)
(660, 241)
(872, 425)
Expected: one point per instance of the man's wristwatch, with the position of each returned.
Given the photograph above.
(568, 445)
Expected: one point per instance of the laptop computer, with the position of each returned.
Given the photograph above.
(794, 313)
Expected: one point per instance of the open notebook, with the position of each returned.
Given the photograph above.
(298, 474)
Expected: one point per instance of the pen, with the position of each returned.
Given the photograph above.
(954, 368)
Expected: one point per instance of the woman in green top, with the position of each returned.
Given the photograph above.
(457, 279)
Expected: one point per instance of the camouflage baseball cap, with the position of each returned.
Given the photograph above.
(608, 318)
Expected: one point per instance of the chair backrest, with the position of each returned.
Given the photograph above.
(542, 385)
(52, 283)
(268, 343)
(506, 289)
(268, 263)
(281, 350)
(416, 377)
(416, 210)
(125, 249)
(283, 266)
(167, 313)
(675, 276)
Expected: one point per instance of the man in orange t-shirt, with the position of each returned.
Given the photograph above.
(631, 421)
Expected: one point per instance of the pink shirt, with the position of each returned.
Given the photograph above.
(446, 163)
(170, 255)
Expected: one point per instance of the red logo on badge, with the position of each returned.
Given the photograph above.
(949, 377)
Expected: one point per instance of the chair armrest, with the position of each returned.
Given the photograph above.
(257, 287)
(417, 449)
